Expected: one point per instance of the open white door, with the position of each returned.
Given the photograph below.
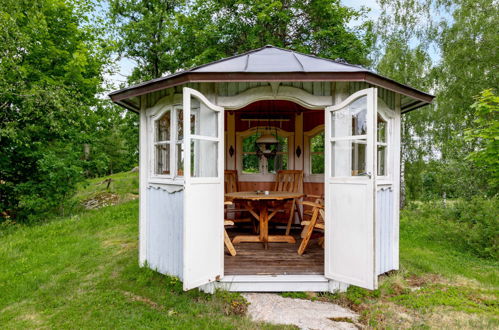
(350, 190)
(204, 190)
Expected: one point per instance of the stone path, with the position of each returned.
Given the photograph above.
(305, 314)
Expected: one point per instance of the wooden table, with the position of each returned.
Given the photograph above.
(261, 204)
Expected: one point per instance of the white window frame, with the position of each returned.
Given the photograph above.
(388, 115)
(261, 177)
(307, 154)
(152, 118)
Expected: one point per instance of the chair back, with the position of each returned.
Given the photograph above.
(289, 181)
(230, 181)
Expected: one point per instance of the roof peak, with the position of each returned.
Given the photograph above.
(270, 58)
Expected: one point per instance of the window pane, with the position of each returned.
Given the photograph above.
(206, 120)
(249, 143)
(204, 157)
(180, 159)
(317, 143)
(283, 144)
(163, 127)
(382, 160)
(317, 166)
(251, 163)
(277, 162)
(162, 159)
(349, 158)
(180, 124)
(381, 129)
(358, 158)
(352, 120)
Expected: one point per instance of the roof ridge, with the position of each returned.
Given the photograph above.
(227, 58)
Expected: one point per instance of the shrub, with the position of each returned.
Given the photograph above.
(468, 225)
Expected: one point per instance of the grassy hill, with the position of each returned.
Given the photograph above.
(81, 271)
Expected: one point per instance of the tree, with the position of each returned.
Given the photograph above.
(167, 36)
(485, 135)
(462, 36)
(145, 32)
(50, 71)
(320, 27)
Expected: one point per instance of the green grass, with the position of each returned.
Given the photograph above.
(439, 284)
(122, 184)
(82, 272)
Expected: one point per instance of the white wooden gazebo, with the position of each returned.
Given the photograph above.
(193, 126)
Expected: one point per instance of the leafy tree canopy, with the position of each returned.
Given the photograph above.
(50, 71)
(450, 49)
(166, 36)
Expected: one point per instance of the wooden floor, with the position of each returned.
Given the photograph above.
(279, 259)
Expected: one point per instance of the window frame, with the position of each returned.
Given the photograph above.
(152, 120)
(388, 115)
(261, 177)
(307, 154)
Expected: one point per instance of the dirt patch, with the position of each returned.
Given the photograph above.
(121, 245)
(101, 200)
(133, 297)
(456, 320)
(419, 281)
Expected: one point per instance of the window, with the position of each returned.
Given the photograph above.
(168, 153)
(162, 144)
(382, 146)
(253, 164)
(317, 154)
(349, 139)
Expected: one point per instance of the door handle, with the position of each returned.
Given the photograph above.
(368, 174)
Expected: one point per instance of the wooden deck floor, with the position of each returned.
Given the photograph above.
(279, 259)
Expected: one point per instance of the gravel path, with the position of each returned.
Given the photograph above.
(305, 314)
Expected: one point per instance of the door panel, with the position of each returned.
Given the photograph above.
(203, 202)
(349, 190)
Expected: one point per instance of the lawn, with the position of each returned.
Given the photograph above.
(81, 271)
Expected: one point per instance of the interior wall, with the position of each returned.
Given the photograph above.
(295, 119)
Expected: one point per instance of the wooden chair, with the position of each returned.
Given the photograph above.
(290, 181)
(230, 181)
(231, 184)
(307, 211)
(316, 222)
(227, 240)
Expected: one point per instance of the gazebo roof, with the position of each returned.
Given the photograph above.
(273, 59)
(271, 63)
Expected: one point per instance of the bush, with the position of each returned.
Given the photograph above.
(468, 225)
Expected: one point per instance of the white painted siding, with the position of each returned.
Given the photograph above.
(165, 229)
(384, 231)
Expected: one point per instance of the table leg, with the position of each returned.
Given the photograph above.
(264, 225)
(263, 236)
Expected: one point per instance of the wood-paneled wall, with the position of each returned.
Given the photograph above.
(309, 188)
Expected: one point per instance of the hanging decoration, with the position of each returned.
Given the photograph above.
(267, 144)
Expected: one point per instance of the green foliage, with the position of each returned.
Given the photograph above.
(464, 35)
(145, 30)
(467, 226)
(54, 130)
(166, 36)
(317, 160)
(485, 135)
(450, 178)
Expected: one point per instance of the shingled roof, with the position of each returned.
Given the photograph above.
(271, 63)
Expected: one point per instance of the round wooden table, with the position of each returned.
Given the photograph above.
(261, 205)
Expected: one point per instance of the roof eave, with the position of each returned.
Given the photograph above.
(186, 77)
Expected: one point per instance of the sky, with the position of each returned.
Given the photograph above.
(125, 66)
